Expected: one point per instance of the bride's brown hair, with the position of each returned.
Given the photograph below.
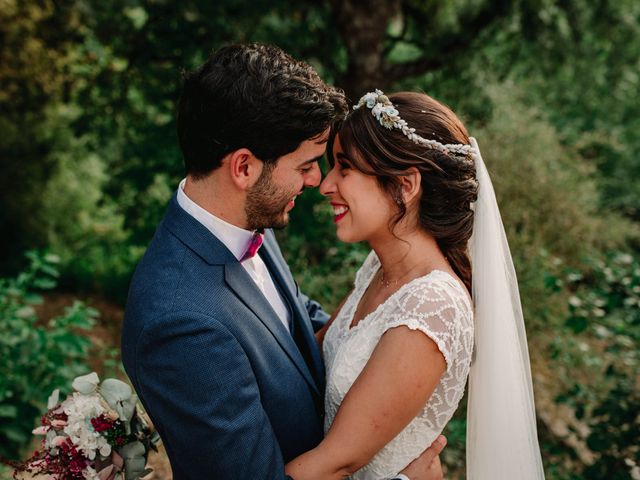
(448, 182)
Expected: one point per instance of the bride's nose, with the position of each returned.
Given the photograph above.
(328, 185)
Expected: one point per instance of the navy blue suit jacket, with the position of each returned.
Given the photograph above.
(233, 394)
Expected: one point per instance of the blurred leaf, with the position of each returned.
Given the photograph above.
(8, 411)
(577, 324)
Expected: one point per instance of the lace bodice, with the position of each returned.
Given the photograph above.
(436, 305)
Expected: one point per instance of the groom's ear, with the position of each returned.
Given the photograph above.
(410, 183)
(244, 167)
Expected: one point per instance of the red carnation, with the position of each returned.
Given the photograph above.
(102, 423)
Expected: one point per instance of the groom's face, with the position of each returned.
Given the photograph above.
(273, 195)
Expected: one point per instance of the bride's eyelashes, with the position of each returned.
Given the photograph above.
(342, 161)
(343, 165)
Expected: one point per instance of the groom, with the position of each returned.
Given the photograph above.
(217, 339)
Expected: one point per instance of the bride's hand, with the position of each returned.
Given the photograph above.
(427, 465)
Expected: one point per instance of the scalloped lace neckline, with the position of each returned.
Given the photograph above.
(358, 294)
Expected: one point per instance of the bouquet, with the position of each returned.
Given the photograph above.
(96, 433)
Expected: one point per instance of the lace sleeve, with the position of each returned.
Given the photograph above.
(440, 311)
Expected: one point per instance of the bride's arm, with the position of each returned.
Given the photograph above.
(402, 373)
(322, 332)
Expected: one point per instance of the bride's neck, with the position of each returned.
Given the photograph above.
(411, 254)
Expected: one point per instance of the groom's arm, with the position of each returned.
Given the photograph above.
(200, 390)
(317, 315)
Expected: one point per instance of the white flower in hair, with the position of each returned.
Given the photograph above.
(389, 117)
(371, 98)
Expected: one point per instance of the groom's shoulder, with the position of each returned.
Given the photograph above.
(161, 260)
(169, 277)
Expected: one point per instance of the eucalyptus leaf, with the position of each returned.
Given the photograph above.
(86, 384)
(134, 456)
(54, 399)
(122, 399)
(114, 391)
(126, 411)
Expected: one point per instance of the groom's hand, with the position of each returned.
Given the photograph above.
(427, 466)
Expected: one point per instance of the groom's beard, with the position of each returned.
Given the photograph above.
(267, 203)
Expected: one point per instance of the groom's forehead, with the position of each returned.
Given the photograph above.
(310, 150)
(314, 151)
(313, 147)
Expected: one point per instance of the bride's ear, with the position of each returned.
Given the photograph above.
(411, 183)
(244, 167)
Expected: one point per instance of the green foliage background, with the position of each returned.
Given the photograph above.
(549, 88)
(37, 358)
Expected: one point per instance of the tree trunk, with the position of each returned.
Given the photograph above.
(362, 26)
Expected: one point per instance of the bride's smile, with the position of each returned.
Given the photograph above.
(362, 210)
(339, 211)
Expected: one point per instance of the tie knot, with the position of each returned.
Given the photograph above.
(254, 245)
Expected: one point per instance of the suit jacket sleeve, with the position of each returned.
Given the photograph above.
(215, 418)
(317, 315)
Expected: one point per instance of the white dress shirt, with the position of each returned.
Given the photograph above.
(237, 240)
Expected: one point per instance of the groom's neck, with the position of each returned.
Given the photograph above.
(218, 197)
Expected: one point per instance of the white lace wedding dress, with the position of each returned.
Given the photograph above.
(435, 304)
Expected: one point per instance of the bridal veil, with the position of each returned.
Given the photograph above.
(502, 441)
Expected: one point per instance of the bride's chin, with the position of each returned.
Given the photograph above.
(346, 237)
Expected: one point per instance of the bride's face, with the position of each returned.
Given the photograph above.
(362, 210)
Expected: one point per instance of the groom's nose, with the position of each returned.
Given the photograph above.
(313, 176)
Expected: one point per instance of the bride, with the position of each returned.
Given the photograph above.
(422, 317)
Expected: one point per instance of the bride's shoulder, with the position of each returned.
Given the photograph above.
(435, 293)
(437, 305)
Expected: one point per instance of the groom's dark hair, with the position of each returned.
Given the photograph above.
(252, 96)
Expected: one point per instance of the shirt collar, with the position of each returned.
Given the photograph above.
(234, 238)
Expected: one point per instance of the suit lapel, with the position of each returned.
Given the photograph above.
(280, 274)
(196, 236)
(244, 287)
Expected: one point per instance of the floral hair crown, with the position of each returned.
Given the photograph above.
(388, 116)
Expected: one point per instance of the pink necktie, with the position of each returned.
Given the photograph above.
(254, 245)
